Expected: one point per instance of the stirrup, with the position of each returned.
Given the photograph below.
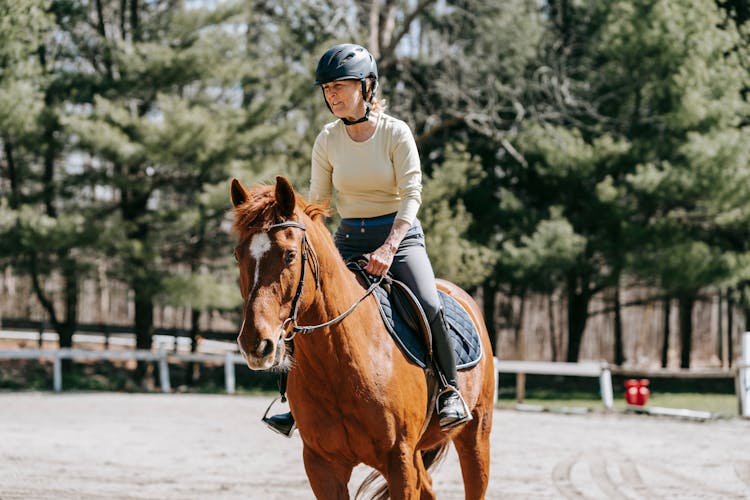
(269, 421)
(467, 412)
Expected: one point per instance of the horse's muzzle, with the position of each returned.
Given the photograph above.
(265, 355)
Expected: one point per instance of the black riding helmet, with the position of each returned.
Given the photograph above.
(348, 61)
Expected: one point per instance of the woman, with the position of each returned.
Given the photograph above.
(371, 160)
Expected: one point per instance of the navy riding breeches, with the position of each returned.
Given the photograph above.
(411, 265)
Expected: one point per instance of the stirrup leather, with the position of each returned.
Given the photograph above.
(267, 420)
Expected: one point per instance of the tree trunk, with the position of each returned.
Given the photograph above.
(144, 328)
(123, 18)
(144, 318)
(101, 29)
(665, 339)
(552, 328)
(133, 206)
(730, 326)
(135, 28)
(720, 327)
(686, 303)
(488, 309)
(15, 190)
(66, 328)
(519, 337)
(69, 326)
(194, 369)
(50, 153)
(374, 24)
(578, 314)
(561, 18)
(619, 351)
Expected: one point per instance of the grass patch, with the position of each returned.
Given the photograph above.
(554, 392)
(724, 404)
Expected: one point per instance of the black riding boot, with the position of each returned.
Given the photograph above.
(451, 408)
(282, 423)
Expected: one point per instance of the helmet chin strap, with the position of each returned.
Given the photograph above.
(360, 120)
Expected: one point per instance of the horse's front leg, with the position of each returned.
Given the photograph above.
(328, 479)
(405, 480)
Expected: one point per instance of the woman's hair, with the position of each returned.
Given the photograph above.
(378, 105)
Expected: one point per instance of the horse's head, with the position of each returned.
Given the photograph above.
(272, 253)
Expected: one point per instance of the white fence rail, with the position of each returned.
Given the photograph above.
(230, 359)
(598, 370)
(162, 357)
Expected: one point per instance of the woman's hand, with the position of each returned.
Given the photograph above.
(381, 260)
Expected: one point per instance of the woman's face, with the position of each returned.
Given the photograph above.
(345, 98)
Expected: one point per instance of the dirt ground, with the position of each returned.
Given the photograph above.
(149, 446)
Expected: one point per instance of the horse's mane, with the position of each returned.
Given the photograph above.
(260, 209)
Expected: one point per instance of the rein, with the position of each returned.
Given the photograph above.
(306, 246)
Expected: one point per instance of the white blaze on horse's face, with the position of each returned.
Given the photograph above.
(260, 244)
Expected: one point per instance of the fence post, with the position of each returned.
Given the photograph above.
(744, 376)
(229, 372)
(164, 371)
(605, 387)
(57, 373)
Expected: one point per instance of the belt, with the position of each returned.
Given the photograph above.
(382, 220)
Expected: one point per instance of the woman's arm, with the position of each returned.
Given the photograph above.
(382, 258)
(407, 167)
(321, 171)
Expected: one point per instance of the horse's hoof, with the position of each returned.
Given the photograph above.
(283, 423)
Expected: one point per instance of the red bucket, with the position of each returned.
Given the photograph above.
(636, 391)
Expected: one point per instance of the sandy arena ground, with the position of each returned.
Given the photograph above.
(148, 446)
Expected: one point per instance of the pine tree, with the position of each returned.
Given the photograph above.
(159, 126)
(41, 236)
(691, 179)
(637, 159)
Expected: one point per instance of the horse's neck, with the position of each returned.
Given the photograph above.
(349, 341)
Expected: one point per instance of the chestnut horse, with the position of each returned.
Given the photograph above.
(355, 397)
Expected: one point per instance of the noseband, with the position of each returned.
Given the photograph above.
(306, 246)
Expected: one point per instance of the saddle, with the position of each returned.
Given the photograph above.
(407, 324)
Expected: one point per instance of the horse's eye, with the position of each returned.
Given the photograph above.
(290, 256)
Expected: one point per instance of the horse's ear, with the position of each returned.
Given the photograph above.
(238, 193)
(285, 198)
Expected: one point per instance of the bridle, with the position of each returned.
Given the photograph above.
(315, 266)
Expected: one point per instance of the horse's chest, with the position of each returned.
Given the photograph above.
(344, 426)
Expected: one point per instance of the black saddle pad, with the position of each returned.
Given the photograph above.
(463, 333)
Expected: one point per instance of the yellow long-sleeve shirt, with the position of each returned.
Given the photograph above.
(379, 176)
